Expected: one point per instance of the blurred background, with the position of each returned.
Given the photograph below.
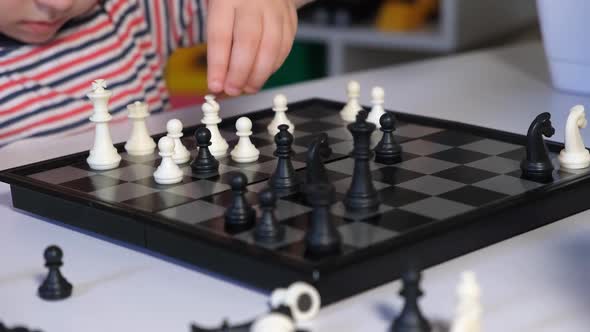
(342, 36)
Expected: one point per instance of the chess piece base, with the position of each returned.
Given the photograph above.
(576, 160)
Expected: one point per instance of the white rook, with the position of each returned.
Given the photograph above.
(140, 143)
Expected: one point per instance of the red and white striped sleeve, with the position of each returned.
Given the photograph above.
(176, 23)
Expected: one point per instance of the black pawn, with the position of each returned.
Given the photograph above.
(240, 215)
(268, 229)
(362, 194)
(322, 238)
(388, 151)
(55, 286)
(411, 318)
(205, 164)
(537, 164)
(284, 180)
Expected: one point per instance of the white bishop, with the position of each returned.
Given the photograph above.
(211, 119)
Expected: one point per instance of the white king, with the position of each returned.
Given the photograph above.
(103, 155)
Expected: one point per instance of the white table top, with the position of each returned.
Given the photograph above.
(533, 282)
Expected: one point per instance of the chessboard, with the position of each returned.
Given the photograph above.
(458, 188)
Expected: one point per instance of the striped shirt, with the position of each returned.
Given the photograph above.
(126, 42)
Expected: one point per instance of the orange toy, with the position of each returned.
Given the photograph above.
(403, 15)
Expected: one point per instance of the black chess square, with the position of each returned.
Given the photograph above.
(317, 126)
(398, 196)
(394, 175)
(451, 137)
(225, 198)
(151, 182)
(399, 220)
(518, 154)
(307, 140)
(314, 112)
(459, 156)
(157, 201)
(465, 174)
(92, 183)
(474, 196)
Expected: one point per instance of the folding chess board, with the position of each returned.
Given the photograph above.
(457, 189)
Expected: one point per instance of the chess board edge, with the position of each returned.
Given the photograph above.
(337, 278)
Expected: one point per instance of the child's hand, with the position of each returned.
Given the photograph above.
(247, 40)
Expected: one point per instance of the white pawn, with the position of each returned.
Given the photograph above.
(468, 313)
(352, 107)
(103, 155)
(575, 155)
(280, 109)
(244, 151)
(181, 154)
(168, 172)
(211, 119)
(140, 143)
(378, 98)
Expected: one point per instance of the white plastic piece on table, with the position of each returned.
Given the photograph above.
(140, 143)
(103, 155)
(468, 313)
(280, 108)
(378, 98)
(273, 322)
(352, 107)
(181, 153)
(168, 172)
(575, 155)
(291, 296)
(244, 151)
(211, 119)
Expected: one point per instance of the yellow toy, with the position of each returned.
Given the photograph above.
(403, 15)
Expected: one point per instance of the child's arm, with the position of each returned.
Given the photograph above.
(248, 41)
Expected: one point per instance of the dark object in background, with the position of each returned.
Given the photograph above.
(15, 329)
(340, 12)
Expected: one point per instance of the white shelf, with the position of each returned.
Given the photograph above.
(461, 23)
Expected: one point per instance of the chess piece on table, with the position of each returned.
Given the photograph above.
(55, 286)
(378, 99)
(140, 143)
(268, 229)
(205, 164)
(284, 180)
(211, 119)
(244, 151)
(168, 172)
(103, 155)
(239, 215)
(468, 313)
(575, 155)
(181, 154)
(322, 237)
(280, 118)
(299, 302)
(388, 151)
(411, 318)
(352, 107)
(537, 164)
(315, 172)
(361, 194)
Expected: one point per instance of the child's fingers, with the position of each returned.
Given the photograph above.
(247, 35)
(219, 40)
(289, 31)
(268, 52)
